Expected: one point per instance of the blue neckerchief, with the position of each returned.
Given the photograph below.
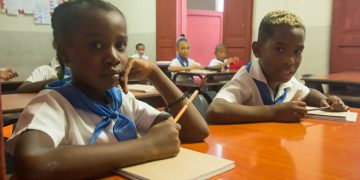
(264, 90)
(124, 128)
(67, 72)
(58, 83)
(181, 61)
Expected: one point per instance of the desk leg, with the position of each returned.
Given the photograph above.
(203, 83)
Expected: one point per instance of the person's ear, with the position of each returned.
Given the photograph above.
(256, 48)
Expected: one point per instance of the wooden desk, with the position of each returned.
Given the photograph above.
(10, 86)
(312, 149)
(344, 78)
(346, 85)
(205, 76)
(14, 103)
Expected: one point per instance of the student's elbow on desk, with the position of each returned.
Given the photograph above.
(216, 111)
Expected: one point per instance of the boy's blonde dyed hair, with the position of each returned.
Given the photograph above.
(277, 18)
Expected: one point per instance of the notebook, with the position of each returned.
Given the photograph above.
(141, 87)
(188, 164)
(320, 114)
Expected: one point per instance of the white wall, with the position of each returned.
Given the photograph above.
(24, 45)
(317, 17)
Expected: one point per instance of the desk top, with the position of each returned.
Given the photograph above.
(350, 77)
(208, 72)
(13, 103)
(312, 149)
(16, 80)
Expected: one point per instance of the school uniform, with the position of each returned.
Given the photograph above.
(45, 72)
(249, 87)
(51, 113)
(177, 62)
(137, 56)
(215, 62)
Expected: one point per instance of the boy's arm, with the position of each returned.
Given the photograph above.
(314, 97)
(34, 87)
(318, 99)
(37, 158)
(178, 68)
(223, 112)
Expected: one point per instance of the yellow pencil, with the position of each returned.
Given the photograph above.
(183, 109)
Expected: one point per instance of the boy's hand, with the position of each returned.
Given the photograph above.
(334, 103)
(7, 73)
(163, 139)
(136, 69)
(290, 111)
(195, 67)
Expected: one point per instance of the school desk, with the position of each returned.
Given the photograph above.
(207, 78)
(346, 85)
(14, 103)
(9, 86)
(312, 149)
(341, 78)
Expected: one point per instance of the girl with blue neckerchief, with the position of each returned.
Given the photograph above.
(89, 126)
(182, 62)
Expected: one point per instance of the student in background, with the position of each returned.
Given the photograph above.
(140, 52)
(182, 62)
(90, 127)
(7, 73)
(220, 60)
(43, 75)
(265, 89)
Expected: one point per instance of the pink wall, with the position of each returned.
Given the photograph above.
(204, 32)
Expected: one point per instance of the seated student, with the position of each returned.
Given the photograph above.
(140, 52)
(265, 89)
(7, 73)
(90, 127)
(43, 75)
(220, 61)
(182, 62)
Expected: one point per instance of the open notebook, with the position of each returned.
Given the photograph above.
(320, 114)
(141, 87)
(187, 164)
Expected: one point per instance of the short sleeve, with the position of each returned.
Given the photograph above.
(300, 86)
(142, 113)
(42, 73)
(214, 62)
(44, 114)
(175, 62)
(235, 91)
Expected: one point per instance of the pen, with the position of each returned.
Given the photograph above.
(183, 109)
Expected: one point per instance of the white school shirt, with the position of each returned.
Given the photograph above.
(215, 62)
(45, 72)
(241, 89)
(140, 57)
(175, 62)
(54, 115)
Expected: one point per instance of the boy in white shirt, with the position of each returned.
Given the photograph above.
(140, 52)
(265, 89)
(220, 61)
(43, 75)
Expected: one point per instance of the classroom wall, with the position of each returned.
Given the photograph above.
(24, 45)
(317, 17)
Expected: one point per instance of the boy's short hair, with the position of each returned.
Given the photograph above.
(278, 18)
(219, 46)
(138, 45)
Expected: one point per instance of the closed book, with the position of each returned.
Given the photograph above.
(188, 164)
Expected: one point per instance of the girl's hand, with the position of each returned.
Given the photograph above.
(136, 69)
(163, 139)
(334, 103)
